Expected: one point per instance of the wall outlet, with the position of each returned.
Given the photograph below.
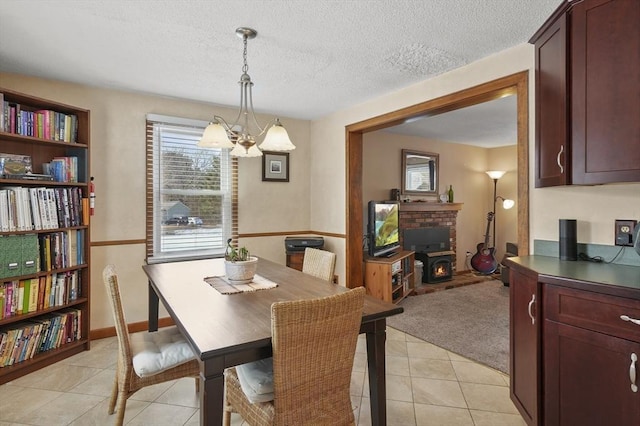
(624, 232)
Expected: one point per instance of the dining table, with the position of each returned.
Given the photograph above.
(225, 330)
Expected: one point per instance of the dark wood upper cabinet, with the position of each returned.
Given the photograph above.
(588, 94)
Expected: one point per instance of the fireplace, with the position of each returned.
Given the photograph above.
(432, 246)
(439, 267)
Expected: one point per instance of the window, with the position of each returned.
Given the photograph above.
(191, 192)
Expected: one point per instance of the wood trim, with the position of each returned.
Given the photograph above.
(430, 207)
(517, 84)
(117, 243)
(135, 327)
(276, 234)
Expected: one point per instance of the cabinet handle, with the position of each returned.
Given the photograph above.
(533, 299)
(632, 372)
(558, 158)
(627, 318)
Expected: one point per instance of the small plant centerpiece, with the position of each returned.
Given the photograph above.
(239, 265)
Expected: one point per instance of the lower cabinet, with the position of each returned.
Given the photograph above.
(575, 351)
(524, 363)
(591, 367)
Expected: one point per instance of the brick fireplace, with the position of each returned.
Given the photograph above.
(428, 215)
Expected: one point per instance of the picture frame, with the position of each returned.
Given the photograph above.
(275, 166)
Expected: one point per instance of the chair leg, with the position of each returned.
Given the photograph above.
(114, 396)
(122, 405)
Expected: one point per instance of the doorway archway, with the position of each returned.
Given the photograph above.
(514, 84)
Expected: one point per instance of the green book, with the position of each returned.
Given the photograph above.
(30, 254)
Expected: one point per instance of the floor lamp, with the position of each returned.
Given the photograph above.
(506, 203)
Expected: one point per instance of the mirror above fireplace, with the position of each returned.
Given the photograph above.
(419, 173)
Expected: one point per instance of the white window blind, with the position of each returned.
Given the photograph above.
(192, 192)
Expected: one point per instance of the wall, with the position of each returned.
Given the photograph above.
(118, 165)
(594, 207)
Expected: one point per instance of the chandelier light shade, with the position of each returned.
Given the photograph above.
(239, 136)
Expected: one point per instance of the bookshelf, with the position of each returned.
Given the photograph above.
(44, 233)
(390, 279)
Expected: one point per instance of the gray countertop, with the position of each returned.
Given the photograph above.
(596, 276)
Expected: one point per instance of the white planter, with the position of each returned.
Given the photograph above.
(241, 271)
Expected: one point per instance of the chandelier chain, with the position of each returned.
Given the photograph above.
(245, 67)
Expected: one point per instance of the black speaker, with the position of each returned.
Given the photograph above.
(636, 238)
(568, 239)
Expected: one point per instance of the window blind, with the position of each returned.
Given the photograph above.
(191, 192)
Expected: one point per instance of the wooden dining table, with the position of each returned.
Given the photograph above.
(225, 330)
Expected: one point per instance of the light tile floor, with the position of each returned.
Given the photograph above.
(426, 385)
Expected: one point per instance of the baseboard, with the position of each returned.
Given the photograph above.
(135, 327)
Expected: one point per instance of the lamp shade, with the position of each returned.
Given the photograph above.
(507, 204)
(240, 151)
(496, 174)
(215, 136)
(277, 139)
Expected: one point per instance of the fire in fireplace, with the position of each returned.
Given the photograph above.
(439, 266)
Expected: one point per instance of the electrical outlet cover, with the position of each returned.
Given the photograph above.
(624, 232)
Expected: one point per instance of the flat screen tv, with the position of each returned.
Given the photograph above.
(383, 228)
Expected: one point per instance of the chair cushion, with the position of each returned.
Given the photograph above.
(256, 380)
(159, 351)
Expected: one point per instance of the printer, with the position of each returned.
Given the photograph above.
(298, 244)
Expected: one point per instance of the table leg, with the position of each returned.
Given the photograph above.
(211, 393)
(153, 309)
(376, 338)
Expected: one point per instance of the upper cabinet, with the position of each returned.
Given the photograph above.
(588, 94)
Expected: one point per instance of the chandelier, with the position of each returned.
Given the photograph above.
(238, 136)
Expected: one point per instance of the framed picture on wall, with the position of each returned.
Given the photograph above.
(275, 166)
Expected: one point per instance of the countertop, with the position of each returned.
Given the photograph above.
(623, 280)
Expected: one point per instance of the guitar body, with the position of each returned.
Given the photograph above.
(484, 260)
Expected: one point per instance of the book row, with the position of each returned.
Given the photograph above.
(38, 123)
(18, 297)
(39, 208)
(22, 341)
(28, 254)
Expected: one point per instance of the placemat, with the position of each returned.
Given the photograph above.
(223, 285)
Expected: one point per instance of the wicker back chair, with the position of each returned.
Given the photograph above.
(169, 340)
(319, 263)
(314, 343)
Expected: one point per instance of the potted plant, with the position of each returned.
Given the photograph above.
(239, 265)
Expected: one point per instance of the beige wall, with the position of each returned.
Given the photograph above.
(594, 207)
(462, 166)
(118, 165)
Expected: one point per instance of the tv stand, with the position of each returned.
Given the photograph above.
(389, 254)
(390, 278)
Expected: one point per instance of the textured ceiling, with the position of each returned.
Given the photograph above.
(311, 57)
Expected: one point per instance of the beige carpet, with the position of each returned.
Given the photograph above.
(472, 321)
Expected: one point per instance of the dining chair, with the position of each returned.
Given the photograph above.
(319, 263)
(144, 359)
(313, 344)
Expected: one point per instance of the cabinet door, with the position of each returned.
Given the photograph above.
(587, 378)
(552, 150)
(524, 333)
(605, 59)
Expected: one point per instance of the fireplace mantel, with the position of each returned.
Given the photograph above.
(417, 206)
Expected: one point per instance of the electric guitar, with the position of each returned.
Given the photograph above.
(484, 261)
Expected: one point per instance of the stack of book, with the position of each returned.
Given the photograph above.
(38, 123)
(38, 208)
(22, 341)
(19, 297)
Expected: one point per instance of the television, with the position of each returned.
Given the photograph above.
(383, 228)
